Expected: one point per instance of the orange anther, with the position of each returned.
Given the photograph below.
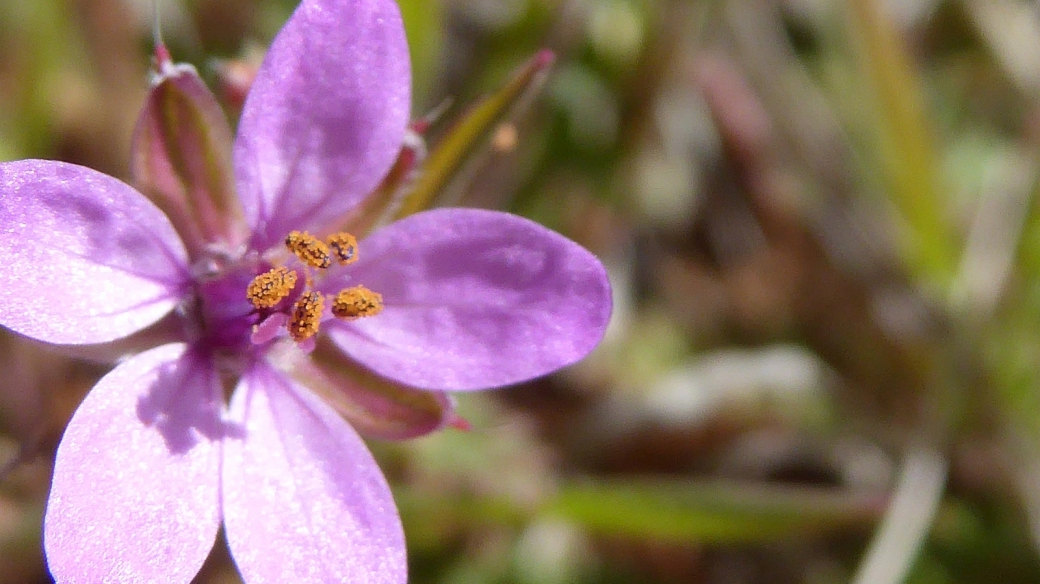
(344, 247)
(311, 250)
(357, 302)
(269, 288)
(306, 316)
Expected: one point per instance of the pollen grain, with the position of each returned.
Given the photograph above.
(271, 287)
(357, 302)
(311, 250)
(306, 316)
(344, 247)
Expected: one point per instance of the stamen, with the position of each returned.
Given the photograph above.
(311, 250)
(269, 288)
(344, 245)
(357, 302)
(306, 316)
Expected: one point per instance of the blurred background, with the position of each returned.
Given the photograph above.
(822, 223)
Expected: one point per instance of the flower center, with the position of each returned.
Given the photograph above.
(278, 299)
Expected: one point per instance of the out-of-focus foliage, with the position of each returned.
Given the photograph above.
(822, 223)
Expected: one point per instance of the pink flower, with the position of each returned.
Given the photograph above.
(155, 459)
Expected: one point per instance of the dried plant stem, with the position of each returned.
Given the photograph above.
(907, 521)
(994, 240)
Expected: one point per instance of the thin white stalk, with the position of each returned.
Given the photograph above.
(157, 37)
(907, 520)
(1011, 30)
(993, 240)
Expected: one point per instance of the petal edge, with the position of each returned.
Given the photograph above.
(473, 299)
(87, 258)
(304, 500)
(135, 494)
(311, 144)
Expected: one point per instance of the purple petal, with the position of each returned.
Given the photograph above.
(303, 498)
(87, 259)
(135, 494)
(374, 406)
(474, 299)
(325, 117)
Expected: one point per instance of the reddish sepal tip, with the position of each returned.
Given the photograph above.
(545, 58)
(162, 56)
(460, 423)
